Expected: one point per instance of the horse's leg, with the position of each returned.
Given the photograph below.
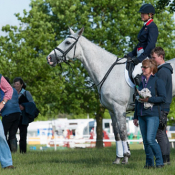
(123, 136)
(119, 146)
(120, 132)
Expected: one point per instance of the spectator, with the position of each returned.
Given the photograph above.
(164, 72)
(149, 117)
(5, 154)
(27, 107)
(10, 118)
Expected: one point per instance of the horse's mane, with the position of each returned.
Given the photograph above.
(101, 49)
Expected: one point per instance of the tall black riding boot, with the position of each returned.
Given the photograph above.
(13, 145)
(137, 80)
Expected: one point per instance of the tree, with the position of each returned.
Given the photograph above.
(162, 4)
(113, 27)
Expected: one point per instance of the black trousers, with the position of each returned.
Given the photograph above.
(23, 136)
(162, 139)
(10, 123)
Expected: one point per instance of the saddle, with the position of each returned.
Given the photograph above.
(136, 80)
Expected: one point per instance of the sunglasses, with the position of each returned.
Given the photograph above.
(144, 67)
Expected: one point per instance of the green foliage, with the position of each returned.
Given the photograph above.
(113, 25)
(171, 115)
(161, 4)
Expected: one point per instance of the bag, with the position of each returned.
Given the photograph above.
(23, 99)
(163, 120)
(36, 112)
(162, 115)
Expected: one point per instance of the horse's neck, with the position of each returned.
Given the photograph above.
(96, 60)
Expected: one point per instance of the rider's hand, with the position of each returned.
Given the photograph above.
(129, 59)
(135, 60)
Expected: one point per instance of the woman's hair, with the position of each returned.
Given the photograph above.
(150, 63)
(21, 81)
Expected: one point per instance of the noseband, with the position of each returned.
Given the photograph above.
(64, 53)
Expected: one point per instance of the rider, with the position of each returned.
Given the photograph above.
(147, 38)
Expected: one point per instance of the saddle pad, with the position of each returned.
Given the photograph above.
(137, 70)
(128, 80)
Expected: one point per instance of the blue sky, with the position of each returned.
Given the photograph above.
(7, 10)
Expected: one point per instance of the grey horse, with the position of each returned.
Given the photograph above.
(116, 94)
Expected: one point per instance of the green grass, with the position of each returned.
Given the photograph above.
(83, 161)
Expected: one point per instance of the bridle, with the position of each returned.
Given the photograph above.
(64, 53)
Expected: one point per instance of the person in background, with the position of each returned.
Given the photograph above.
(165, 71)
(10, 118)
(149, 117)
(5, 154)
(147, 38)
(26, 104)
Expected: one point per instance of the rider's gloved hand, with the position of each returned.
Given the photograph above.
(129, 59)
(135, 60)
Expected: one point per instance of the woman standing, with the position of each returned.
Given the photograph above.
(10, 118)
(149, 117)
(147, 38)
(24, 97)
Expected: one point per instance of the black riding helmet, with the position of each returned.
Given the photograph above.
(147, 8)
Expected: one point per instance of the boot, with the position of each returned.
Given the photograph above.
(164, 159)
(168, 159)
(137, 80)
(8, 141)
(13, 145)
(117, 160)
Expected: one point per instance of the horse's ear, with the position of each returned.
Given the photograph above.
(80, 32)
(71, 31)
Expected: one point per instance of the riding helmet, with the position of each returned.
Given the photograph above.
(147, 8)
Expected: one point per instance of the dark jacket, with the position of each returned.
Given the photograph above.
(28, 114)
(12, 106)
(147, 38)
(153, 83)
(164, 73)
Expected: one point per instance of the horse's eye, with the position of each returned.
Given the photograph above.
(67, 42)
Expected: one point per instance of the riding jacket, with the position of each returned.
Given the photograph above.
(158, 92)
(147, 38)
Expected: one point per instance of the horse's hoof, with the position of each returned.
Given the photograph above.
(117, 160)
(125, 160)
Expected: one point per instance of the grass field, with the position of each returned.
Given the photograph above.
(84, 161)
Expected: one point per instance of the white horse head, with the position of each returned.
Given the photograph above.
(67, 50)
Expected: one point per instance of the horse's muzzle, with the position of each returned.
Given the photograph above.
(51, 61)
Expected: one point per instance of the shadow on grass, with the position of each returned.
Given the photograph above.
(86, 157)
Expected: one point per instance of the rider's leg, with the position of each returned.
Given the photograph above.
(136, 74)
